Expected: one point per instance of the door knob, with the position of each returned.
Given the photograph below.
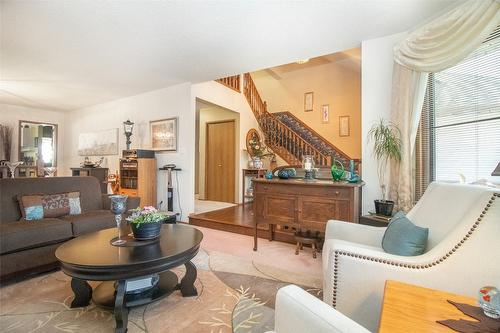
(220, 165)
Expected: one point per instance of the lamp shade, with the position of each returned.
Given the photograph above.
(128, 126)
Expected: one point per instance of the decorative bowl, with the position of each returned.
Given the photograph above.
(489, 300)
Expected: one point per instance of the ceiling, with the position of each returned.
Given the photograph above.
(350, 59)
(65, 55)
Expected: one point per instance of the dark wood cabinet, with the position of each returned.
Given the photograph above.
(99, 173)
(304, 205)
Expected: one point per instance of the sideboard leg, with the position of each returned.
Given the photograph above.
(271, 232)
(187, 282)
(121, 311)
(255, 238)
(82, 291)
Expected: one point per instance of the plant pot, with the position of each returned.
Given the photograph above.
(146, 231)
(384, 207)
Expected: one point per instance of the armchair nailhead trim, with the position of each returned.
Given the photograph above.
(398, 264)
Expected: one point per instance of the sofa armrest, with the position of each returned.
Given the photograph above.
(354, 232)
(298, 311)
(132, 202)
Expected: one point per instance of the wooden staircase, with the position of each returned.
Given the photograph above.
(284, 138)
(313, 137)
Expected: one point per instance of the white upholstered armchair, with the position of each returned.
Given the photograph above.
(297, 311)
(462, 255)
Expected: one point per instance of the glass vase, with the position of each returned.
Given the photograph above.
(118, 207)
(258, 163)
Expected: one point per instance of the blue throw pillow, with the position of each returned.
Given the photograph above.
(403, 238)
(34, 213)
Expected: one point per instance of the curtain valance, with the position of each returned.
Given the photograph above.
(448, 39)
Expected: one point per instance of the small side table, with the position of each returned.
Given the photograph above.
(253, 173)
(410, 308)
(374, 220)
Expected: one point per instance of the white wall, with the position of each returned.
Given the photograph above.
(218, 94)
(141, 109)
(11, 114)
(376, 86)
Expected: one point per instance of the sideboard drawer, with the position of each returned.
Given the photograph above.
(294, 188)
(274, 189)
(339, 193)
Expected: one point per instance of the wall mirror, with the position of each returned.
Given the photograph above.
(37, 145)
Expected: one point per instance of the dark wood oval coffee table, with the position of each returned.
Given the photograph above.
(92, 258)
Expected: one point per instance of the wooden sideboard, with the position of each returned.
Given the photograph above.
(304, 205)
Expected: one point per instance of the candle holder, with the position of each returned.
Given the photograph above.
(308, 165)
(12, 167)
(50, 171)
(118, 207)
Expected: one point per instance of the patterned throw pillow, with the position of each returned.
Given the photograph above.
(74, 203)
(55, 205)
(39, 206)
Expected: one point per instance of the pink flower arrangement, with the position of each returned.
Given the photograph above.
(147, 214)
(148, 210)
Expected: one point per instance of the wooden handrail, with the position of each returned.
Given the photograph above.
(278, 136)
(232, 82)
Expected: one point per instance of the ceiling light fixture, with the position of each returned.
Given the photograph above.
(300, 62)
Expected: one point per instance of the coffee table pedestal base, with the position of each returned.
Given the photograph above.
(104, 294)
(112, 295)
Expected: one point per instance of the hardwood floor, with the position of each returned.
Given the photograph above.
(239, 220)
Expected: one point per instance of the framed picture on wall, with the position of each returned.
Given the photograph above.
(325, 113)
(308, 101)
(98, 143)
(344, 126)
(164, 134)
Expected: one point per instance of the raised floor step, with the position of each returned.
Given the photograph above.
(237, 219)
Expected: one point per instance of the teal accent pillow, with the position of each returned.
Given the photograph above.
(34, 213)
(403, 238)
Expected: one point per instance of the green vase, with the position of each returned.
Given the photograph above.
(337, 170)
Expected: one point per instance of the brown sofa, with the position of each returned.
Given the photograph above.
(29, 246)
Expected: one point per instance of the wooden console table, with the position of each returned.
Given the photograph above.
(409, 308)
(304, 205)
(253, 173)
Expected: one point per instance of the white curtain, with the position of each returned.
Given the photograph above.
(437, 45)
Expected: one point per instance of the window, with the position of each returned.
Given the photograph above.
(459, 134)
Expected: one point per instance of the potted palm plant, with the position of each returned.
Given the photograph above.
(146, 222)
(386, 138)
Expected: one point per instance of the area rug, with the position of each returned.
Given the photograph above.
(234, 295)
